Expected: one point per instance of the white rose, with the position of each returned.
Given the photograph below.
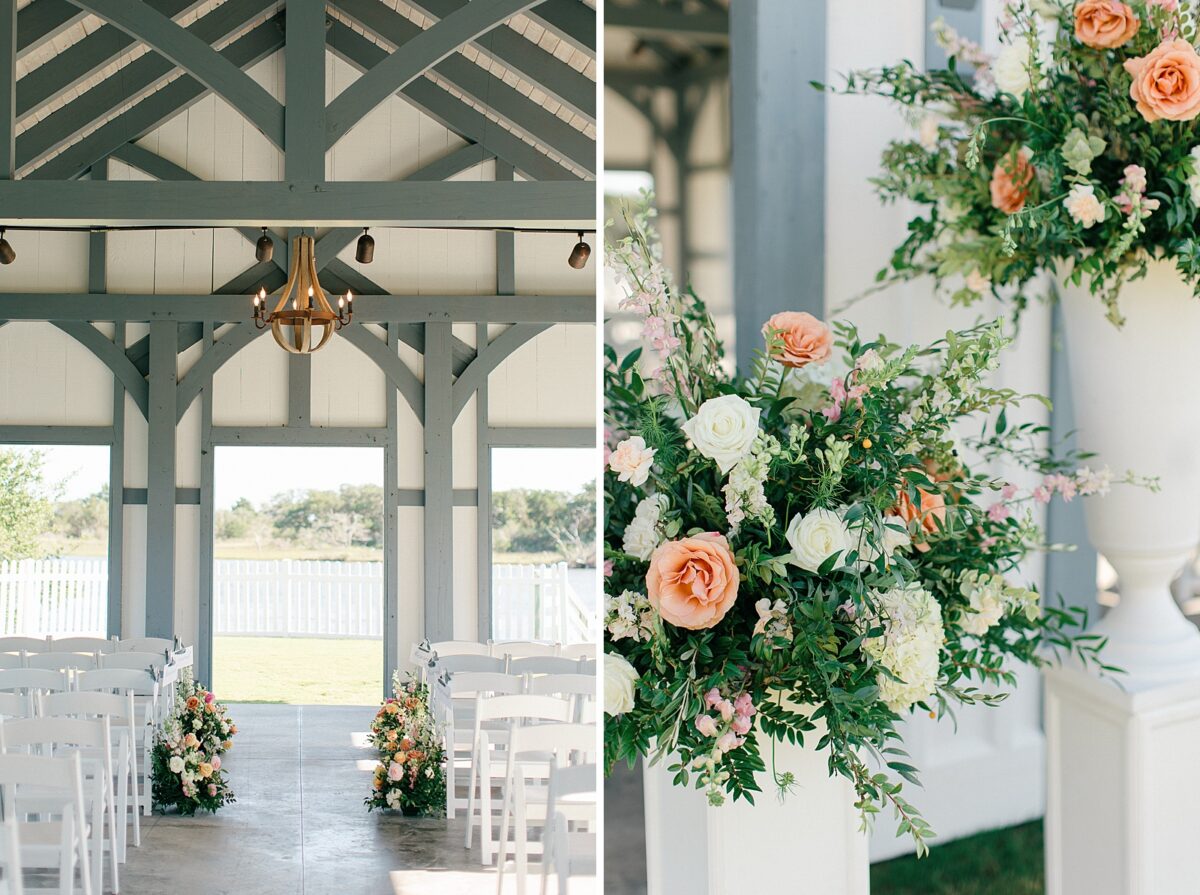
(632, 461)
(723, 430)
(895, 536)
(1011, 69)
(816, 537)
(641, 537)
(176, 765)
(619, 678)
(1084, 206)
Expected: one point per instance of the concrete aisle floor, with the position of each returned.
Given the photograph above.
(299, 825)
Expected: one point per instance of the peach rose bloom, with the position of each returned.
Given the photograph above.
(1166, 82)
(931, 514)
(1012, 179)
(1104, 24)
(692, 582)
(806, 340)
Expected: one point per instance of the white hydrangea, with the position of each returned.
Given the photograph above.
(629, 614)
(643, 534)
(910, 646)
(985, 595)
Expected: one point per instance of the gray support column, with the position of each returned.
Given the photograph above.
(391, 529)
(777, 48)
(483, 480)
(8, 89)
(439, 491)
(204, 639)
(304, 115)
(160, 482)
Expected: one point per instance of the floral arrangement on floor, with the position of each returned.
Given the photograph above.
(1075, 146)
(795, 551)
(186, 761)
(410, 776)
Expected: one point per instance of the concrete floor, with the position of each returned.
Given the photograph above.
(299, 825)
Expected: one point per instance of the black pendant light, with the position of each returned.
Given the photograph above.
(7, 254)
(264, 249)
(365, 251)
(580, 254)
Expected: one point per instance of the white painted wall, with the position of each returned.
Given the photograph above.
(47, 378)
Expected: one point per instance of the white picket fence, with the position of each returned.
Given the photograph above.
(280, 598)
(53, 596)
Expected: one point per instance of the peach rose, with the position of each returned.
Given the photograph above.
(692, 582)
(1104, 24)
(1012, 180)
(1166, 82)
(931, 514)
(806, 340)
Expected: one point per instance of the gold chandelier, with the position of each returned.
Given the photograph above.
(303, 320)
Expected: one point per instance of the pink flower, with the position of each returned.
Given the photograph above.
(216, 762)
(725, 707)
(833, 412)
(998, 511)
(729, 740)
(208, 697)
(1135, 178)
(837, 389)
(1008, 492)
(712, 698)
(1168, 5)
(608, 568)
(741, 725)
(395, 772)
(987, 542)
(744, 705)
(707, 725)
(212, 789)
(1042, 494)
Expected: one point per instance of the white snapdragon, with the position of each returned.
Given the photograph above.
(643, 533)
(631, 461)
(773, 620)
(985, 597)
(816, 536)
(619, 680)
(745, 496)
(629, 614)
(1089, 481)
(910, 646)
(723, 430)
(1193, 181)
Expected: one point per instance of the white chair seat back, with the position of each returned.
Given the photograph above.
(61, 661)
(82, 645)
(27, 681)
(545, 665)
(26, 644)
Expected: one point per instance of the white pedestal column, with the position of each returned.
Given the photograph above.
(1121, 787)
(808, 844)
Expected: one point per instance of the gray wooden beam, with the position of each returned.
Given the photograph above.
(439, 485)
(57, 76)
(399, 375)
(8, 89)
(116, 505)
(184, 497)
(207, 547)
(454, 114)
(483, 509)
(277, 203)
(59, 128)
(545, 71)
(197, 58)
(707, 26)
(111, 355)
(506, 102)
(312, 436)
(20, 434)
(491, 357)
(418, 55)
(44, 20)
(391, 533)
(160, 481)
(299, 390)
(569, 20)
(227, 307)
(304, 122)
(778, 46)
(542, 436)
(199, 377)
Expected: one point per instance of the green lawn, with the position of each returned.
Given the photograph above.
(999, 862)
(298, 670)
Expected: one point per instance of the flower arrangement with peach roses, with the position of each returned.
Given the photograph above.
(805, 554)
(186, 760)
(410, 775)
(1074, 148)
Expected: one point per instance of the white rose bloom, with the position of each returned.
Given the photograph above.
(895, 536)
(641, 537)
(723, 430)
(631, 461)
(176, 764)
(987, 602)
(1011, 69)
(1083, 206)
(910, 647)
(619, 678)
(816, 537)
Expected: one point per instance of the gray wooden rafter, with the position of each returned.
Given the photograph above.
(8, 89)
(304, 116)
(506, 102)
(399, 375)
(418, 55)
(569, 20)
(197, 58)
(200, 375)
(44, 20)
(160, 481)
(147, 113)
(491, 357)
(111, 355)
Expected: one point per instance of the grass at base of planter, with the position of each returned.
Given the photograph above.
(999, 862)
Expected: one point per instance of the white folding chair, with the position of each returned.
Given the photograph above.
(579, 651)
(10, 857)
(145, 645)
(149, 703)
(15, 705)
(524, 649)
(61, 661)
(512, 710)
(82, 645)
(29, 682)
(571, 798)
(580, 689)
(439, 665)
(533, 752)
(122, 722)
(12, 660)
(91, 740)
(452, 701)
(544, 665)
(138, 661)
(459, 648)
(26, 644)
(64, 838)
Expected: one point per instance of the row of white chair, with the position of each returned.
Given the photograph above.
(52, 644)
(518, 649)
(58, 661)
(439, 664)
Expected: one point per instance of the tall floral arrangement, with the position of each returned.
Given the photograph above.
(1075, 146)
(410, 775)
(806, 554)
(187, 772)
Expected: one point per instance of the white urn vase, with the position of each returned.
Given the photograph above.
(808, 842)
(1137, 406)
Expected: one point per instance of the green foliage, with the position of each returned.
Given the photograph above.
(528, 520)
(26, 506)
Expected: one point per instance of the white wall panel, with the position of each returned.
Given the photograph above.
(133, 573)
(47, 378)
(348, 389)
(251, 388)
(549, 381)
(410, 579)
(466, 564)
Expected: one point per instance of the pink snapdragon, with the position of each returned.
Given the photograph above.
(999, 511)
(729, 740)
(707, 725)
(713, 698)
(1042, 494)
(744, 705)
(1009, 491)
(659, 331)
